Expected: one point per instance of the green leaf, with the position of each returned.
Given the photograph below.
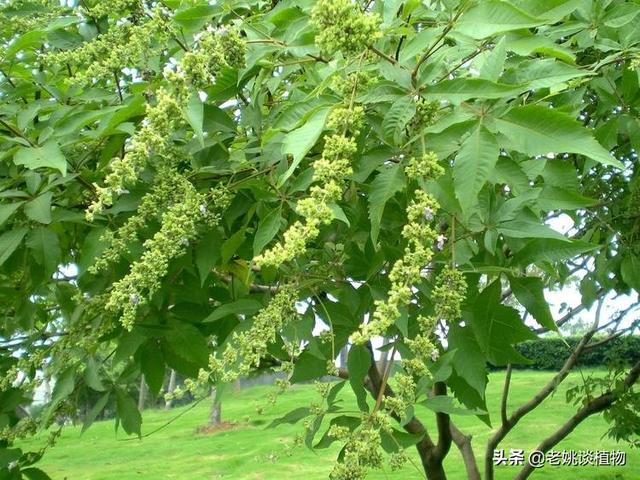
(195, 17)
(33, 473)
(91, 375)
(524, 228)
(195, 116)
(553, 10)
(554, 198)
(460, 89)
(474, 162)
(207, 254)
(30, 39)
(537, 130)
(49, 155)
(186, 341)
(128, 344)
(388, 182)
(46, 248)
(39, 209)
(358, 363)
(530, 293)
(267, 229)
(469, 361)
(9, 455)
(630, 270)
(493, 63)
(65, 385)
(312, 430)
(397, 118)
(446, 404)
(497, 327)
(298, 142)
(490, 17)
(551, 250)
(622, 15)
(7, 210)
(95, 411)
(231, 245)
(308, 367)
(9, 241)
(293, 417)
(244, 306)
(545, 73)
(338, 214)
(153, 366)
(128, 413)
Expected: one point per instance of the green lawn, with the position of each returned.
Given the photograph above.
(252, 452)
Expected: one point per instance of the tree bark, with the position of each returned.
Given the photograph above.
(172, 386)
(344, 353)
(215, 415)
(142, 394)
(463, 442)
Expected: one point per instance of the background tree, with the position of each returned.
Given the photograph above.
(178, 172)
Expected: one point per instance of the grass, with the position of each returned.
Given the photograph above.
(252, 452)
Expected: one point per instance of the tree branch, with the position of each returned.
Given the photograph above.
(463, 442)
(443, 423)
(508, 423)
(505, 395)
(596, 405)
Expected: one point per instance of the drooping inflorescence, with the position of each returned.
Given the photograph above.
(342, 26)
(179, 227)
(215, 50)
(420, 236)
(124, 45)
(245, 349)
(330, 172)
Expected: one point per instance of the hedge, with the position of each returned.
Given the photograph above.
(551, 353)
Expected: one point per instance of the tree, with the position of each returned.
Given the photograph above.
(179, 172)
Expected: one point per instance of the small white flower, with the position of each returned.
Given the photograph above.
(428, 213)
(134, 298)
(203, 209)
(440, 241)
(435, 354)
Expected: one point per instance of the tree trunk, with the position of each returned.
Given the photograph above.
(434, 470)
(142, 395)
(170, 389)
(344, 354)
(215, 415)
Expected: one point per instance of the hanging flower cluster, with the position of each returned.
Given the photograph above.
(215, 50)
(37, 18)
(449, 293)
(152, 139)
(179, 228)
(426, 112)
(330, 172)
(245, 349)
(405, 272)
(101, 9)
(123, 45)
(343, 27)
(362, 450)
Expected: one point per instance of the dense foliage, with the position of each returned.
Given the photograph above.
(551, 353)
(194, 184)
